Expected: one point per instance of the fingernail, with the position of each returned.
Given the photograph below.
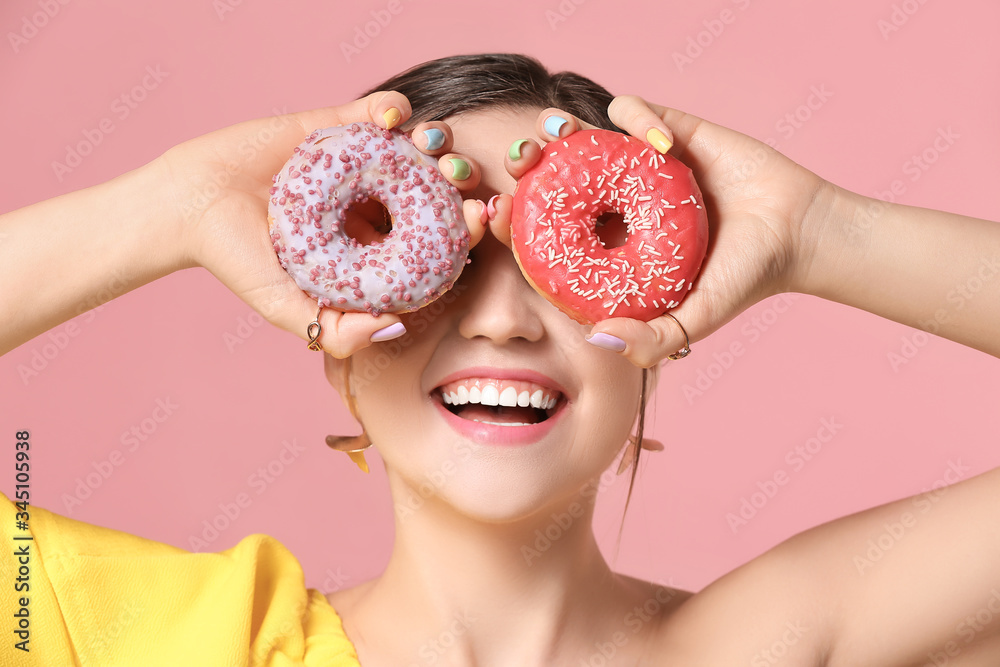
(435, 138)
(553, 124)
(483, 218)
(606, 342)
(391, 118)
(659, 140)
(491, 210)
(460, 169)
(514, 152)
(388, 333)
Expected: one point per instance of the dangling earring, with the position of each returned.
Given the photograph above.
(352, 445)
(647, 443)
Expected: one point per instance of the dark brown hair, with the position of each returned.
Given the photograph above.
(449, 86)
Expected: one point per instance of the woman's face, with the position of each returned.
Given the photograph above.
(492, 338)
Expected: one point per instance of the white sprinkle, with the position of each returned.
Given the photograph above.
(553, 153)
(565, 144)
(662, 175)
(594, 157)
(593, 140)
(553, 167)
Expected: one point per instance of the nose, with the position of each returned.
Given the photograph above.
(500, 305)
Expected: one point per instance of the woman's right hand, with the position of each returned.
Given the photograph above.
(219, 186)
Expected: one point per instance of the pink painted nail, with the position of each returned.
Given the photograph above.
(606, 342)
(482, 212)
(388, 333)
(490, 208)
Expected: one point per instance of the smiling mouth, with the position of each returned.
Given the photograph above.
(500, 402)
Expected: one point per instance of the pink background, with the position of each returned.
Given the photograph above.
(885, 97)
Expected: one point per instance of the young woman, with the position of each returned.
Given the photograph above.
(463, 585)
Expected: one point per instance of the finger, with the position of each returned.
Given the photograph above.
(463, 172)
(476, 219)
(634, 115)
(283, 304)
(521, 156)
(500, 221)
(645, 344)
(386, 109)
(553, 124)
(434, 138)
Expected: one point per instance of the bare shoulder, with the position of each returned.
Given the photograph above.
(343, 600)
(771, 610)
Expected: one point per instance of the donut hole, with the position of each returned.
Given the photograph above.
(611, 229)
(368, 221)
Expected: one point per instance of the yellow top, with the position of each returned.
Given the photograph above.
(102, 597)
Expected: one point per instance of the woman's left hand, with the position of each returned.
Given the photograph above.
(758, 202)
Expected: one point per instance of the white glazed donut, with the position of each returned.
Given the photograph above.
(339, 167)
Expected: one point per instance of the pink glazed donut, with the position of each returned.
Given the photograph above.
(339, 167)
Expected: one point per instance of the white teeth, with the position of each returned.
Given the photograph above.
(536, 399)
(509, 397)
(490, 395)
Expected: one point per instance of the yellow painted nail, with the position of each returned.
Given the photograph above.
(391, 118)
(659, 140)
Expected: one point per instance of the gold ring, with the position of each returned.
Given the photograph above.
(314, 331)
(684, 351)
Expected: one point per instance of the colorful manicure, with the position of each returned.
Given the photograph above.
(514, 152)
(388, 333)
(553, 124)
(491, 210)
(435, 138)
(606, 342)
(391, 118)
(658, 140)
(460, 169)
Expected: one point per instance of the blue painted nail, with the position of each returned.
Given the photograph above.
(606, 342)
(553, 124)
(388, 333)
(435, 138)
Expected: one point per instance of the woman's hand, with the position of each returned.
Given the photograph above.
(219, 185)
(757, 201)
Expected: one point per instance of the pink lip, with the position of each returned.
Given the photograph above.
(503, 374)
(492, 434)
